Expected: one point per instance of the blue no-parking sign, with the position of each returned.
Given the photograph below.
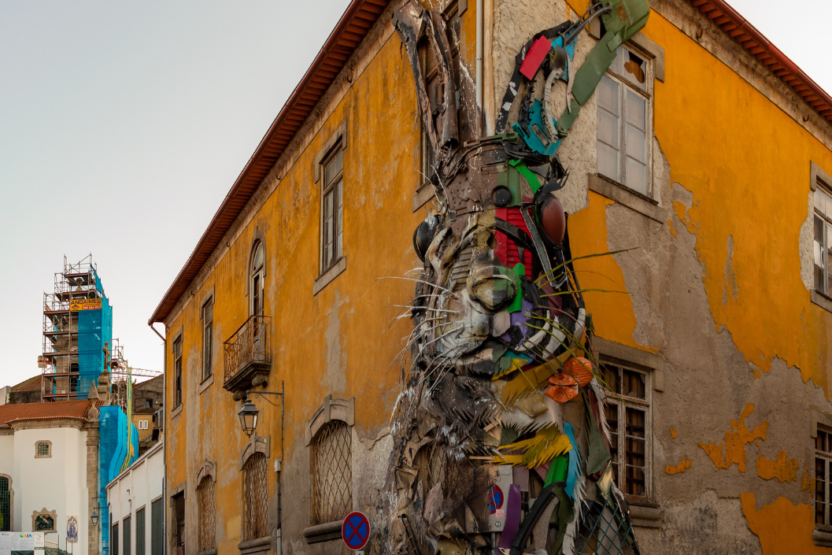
(356, 530)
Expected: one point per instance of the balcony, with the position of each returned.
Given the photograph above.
(248, 355)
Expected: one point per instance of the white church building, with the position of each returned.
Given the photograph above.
(49, 471)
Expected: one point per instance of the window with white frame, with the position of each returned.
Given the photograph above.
(624, 121)
(332, 208)
(629, 420)
(823, 241)
(823, 465)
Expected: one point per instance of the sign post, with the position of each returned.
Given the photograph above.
(355, 531)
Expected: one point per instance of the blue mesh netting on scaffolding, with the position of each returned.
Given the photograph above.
(95, 328)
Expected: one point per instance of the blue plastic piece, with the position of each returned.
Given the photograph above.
(537, 132)
(573, 474)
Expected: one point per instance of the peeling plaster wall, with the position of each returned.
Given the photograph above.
(340, 341)
(717, 287)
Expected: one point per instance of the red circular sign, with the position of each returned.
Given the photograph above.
(355, 531)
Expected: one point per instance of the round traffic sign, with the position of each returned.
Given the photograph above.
(356, 530)
(495, 499)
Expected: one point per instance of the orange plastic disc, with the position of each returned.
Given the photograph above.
(579, 368)
(562, 394)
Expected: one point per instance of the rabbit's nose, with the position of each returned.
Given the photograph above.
(489, 282)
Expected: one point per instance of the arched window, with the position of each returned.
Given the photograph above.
(255, 500)
(5, 504)
(331, 472)
(256, 279)
(205, 499)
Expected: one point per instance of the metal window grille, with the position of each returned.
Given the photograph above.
(126, 534)
(157, 540)
(205, 497)
(43, 449)
(44, 522)
(823, 462)
(331, 472)
(604, 531)
(5, 505)
(255, 501)
(628, 418)
(140, 532)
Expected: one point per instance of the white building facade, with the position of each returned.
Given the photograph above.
(48, 470)
(136, 506)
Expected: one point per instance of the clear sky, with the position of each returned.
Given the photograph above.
(123, 125)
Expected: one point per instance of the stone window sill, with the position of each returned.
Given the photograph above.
(645, 514)
(821, 300)
(177, 411)
(330, 275)
(822, 536)
(323, 532)
(251, 547)
(208, 552)
(205, 385)
(625, 196)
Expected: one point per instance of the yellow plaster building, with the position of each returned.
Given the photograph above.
(703, 162)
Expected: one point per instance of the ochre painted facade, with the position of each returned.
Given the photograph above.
(716, 292)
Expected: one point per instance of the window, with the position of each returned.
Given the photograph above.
(823, 241)
(255, 497)
(258, 264)
(624, 117)
(177, 371)
(148, 403)
(332, 209)
(628, 417)
(207, 333)
(140, 532)
(44, 522)
(114, 537)
(331, 472)
(5, 504)
(157, 541)
(126, 529)
(43, 449)
(142, 425)
(207, 514)
(823, 460)
(178, 520)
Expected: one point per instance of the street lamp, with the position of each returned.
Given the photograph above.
(94, 518)
(248, 417)
(248, 414)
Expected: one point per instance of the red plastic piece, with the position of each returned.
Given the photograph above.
(506, 249)
(534, 57)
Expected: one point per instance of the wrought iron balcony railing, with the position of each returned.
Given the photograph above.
(248, 353)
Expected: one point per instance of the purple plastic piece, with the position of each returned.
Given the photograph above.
(519, 319)
(512, 518)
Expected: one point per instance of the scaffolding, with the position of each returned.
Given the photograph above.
(77, 324)
(121, 372)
